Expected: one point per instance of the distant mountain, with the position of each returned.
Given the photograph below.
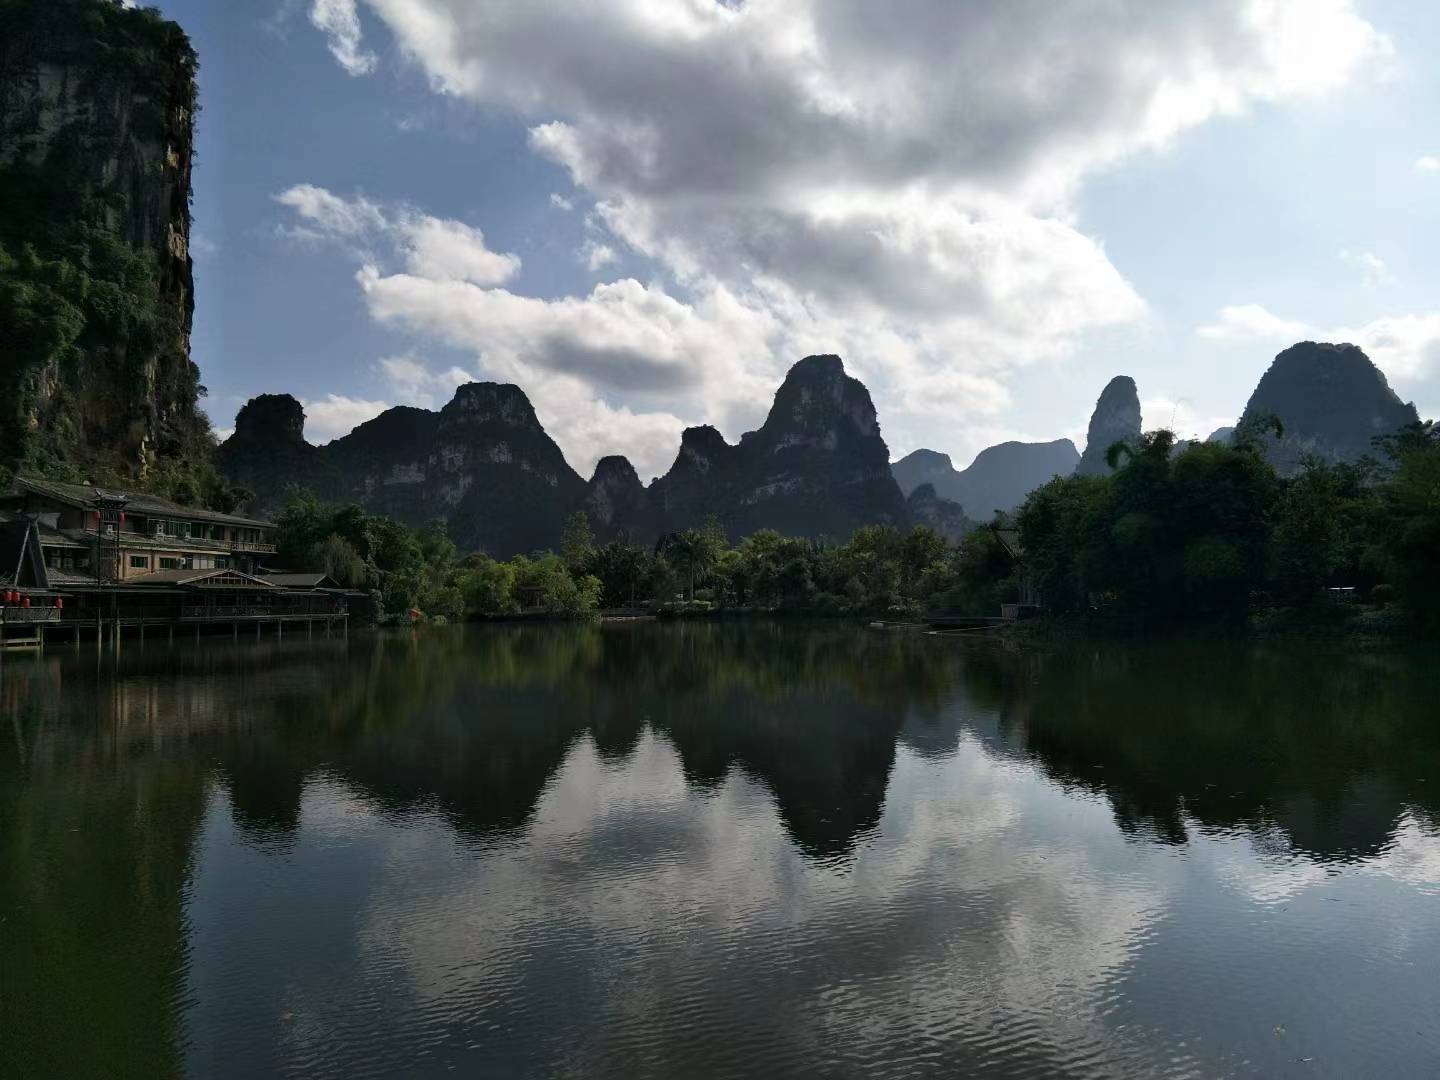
(1116, 419)
(617, 503)
(1222, 435)
(485, 465)
(998, 479)
(1331, 401)
(818, 466)
(943, 515)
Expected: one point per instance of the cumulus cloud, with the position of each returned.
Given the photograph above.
(560, 202)
(596, 255)
(334, 415)
(1251, 322)
(1405, 347)
(1374, 274)
(438, 249)
(894, 183)
(339, 21)
(1427, 164)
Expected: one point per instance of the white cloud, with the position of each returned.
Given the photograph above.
(439, 249)
(893, 184)
(1374, 274)
(596, 255)
(412, 382)
(1181, 417)
(339, 21)
(1251, 322)
(560, 202)
(1405, 347)
(335, 415)
(453, 251)
(1428, 164)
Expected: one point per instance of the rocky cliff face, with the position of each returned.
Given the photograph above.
(1331, 401)
(943, 515)
(617, 503)
(1116, 419)
(998, 479)
(97, 106)
(483, 464)
(818, 466)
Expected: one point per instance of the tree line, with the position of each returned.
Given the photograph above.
(1202, 533)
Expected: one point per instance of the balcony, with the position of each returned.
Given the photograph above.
(184, 543)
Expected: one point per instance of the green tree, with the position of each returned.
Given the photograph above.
(577, 543)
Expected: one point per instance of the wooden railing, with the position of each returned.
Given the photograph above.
(13, 615)
(229, 612)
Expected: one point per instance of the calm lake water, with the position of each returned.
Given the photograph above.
(695, 851)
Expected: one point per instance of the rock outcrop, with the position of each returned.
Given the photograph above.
(944, 516)
(97, 107)
(486, 467)
(998, 479)
(1331, 402)
(267, 452)
(617, 503)
(818, 466)
(1116, 419)
(483, 464)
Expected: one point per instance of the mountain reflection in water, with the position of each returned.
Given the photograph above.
(717, 849)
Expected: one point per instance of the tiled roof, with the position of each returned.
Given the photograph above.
(306, 579)
(85, 495)
(190, 577)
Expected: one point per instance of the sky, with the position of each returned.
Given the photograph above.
(644, 211)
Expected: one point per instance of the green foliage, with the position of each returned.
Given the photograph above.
(92, 328)
(1204, 534)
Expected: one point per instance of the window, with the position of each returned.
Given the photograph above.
(170, 564)
(139, 562)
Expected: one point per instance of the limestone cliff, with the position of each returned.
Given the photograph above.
(1116, 419)
(818, 466)
(617, 503)
(97, 106)
(945, 516)
(487, 468)
(483, 464)
(1331, 402)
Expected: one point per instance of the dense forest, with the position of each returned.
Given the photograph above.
(1208, 533)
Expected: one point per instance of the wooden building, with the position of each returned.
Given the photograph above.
(80, 560)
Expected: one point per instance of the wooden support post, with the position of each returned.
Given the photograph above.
(279, 629)
(257, 629)
(142, 630)
(235, 630)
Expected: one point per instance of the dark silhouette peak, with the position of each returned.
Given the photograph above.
(271, 416)
(485, 402)
(927, 459)
(1116, 419)
(819, 366)
(1331, 401)
(399, 430)
(924, 493)
(703, 439)
(615, 469)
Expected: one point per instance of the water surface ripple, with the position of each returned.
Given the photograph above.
(718, 851)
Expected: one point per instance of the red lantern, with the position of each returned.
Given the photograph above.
(59, 603)
(25, 602)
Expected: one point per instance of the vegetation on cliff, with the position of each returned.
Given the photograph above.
(97, 107)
